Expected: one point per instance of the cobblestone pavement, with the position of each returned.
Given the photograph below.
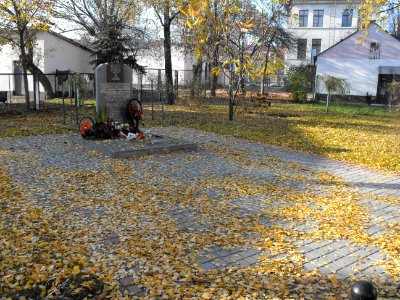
(219, 158)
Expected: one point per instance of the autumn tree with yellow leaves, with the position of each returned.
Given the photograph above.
(20, 20)
(376, 10)
(240, 32)
(231, 29)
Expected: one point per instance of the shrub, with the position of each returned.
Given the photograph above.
(300, 80)
(335, 86)
(393, 94)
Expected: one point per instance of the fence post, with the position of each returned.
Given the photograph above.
(140, 87)
(94, 86)
(176, 84)
(152, 100)
(315, 87)
(63, 99)
(205, 80)
(9, 88)
(39, 98)
(160, 98)
(55, 86)
(35, 91)
(77, 102)
(71, 89)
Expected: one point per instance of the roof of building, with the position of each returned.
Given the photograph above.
(372, 23)
(75, 43)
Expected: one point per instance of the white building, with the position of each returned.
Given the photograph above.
(52, 52)
(154, 60)
(318, 25)
(368, 66)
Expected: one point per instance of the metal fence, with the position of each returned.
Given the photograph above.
(40, 87)
(67, 92)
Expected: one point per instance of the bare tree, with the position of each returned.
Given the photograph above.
(108, 26)
(271, 32)
(166, 12)
(393, 15)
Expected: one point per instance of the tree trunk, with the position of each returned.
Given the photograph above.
(231, 96)
(242, 82)
(327, 101)
(169, 87)
(26, 83)
(265, 70)
(215, 59)
(196, 75)
(43, 80)
(199, 75)
(23, 60)
(262, 84)
(40, 75)
(214, 78)
(263, 90)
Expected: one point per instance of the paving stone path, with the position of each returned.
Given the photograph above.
(338, 257)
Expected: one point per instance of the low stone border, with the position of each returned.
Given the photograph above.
(119, 148)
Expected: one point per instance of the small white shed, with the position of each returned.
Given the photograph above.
(368, 63)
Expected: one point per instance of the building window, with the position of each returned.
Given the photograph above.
(347, 18)
(315, 49)
(301, 48)
(303, 18)
(318, 20)
(374, 50)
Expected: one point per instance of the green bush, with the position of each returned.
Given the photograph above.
(393, 94)
(300, 80)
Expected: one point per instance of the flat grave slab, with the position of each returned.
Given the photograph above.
(120, 148)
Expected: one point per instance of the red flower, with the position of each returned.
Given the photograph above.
(84, 126)
(135, 109)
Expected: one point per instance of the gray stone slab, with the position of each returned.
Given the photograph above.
(120, 148)
(126, 281)
(208, 266)
(114, 91)
(136, 290)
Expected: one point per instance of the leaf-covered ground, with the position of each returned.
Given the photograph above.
(234, 220)
(359, 134)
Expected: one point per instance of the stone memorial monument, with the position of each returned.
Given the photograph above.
(113, 93)
(114, 90)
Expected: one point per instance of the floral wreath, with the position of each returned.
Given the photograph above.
(135, 108)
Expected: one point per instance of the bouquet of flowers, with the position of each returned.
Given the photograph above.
(128, 132)
(135, 111)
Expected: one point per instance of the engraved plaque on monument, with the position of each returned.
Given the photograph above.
(114, 90)
(115, 72)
